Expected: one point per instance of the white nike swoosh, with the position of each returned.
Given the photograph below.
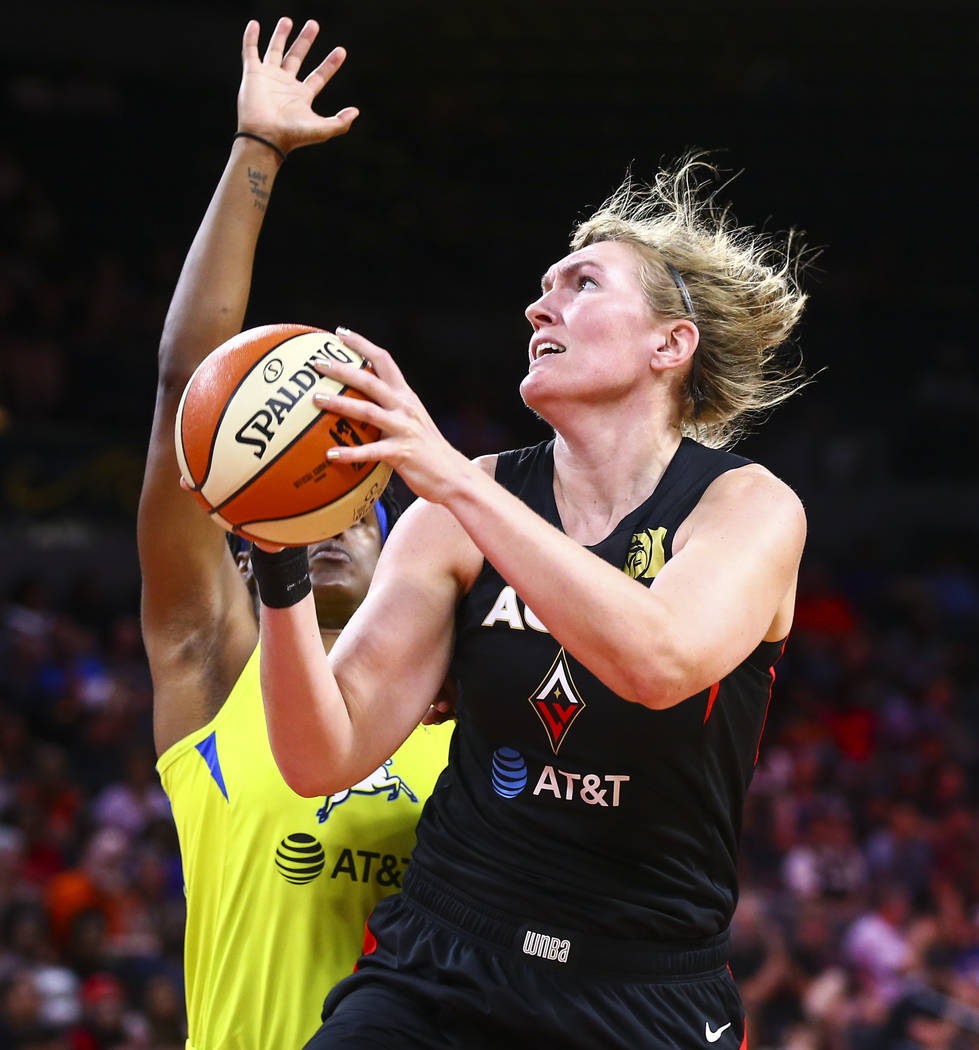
(712, 1036)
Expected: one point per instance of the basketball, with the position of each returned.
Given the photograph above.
(252, 445)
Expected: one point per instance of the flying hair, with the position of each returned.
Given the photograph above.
(739, 286)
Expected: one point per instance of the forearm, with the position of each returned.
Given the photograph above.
(308, 725)
(334, 720)
(590, 607)
(209, 302)
(703, 614)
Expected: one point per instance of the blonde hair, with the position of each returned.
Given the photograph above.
(741, 285)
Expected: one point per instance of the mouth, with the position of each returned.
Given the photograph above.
(545, 347)
(329, 550)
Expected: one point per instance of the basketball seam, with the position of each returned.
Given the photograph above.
(312, 510)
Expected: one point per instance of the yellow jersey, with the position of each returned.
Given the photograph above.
(279, 886)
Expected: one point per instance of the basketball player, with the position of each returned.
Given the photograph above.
(278, 885)
(613, 603)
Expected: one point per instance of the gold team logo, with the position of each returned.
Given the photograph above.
(557, 701)
(646, 555)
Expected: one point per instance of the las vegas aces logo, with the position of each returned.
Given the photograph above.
(557, 701)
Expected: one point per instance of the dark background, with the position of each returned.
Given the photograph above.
(485, 131)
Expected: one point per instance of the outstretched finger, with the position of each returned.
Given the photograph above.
(323, 73)
(323, 128)
(277, 42)
(249, 44)
(299, 48)
(340, 124)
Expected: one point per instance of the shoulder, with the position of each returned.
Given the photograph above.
(748, 497)
(752, 481)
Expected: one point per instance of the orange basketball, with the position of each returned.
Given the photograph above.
(252, 445)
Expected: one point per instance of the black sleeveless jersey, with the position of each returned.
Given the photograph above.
(563, 802)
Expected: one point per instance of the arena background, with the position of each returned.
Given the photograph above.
(485, 131)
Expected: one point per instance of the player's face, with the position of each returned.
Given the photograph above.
(340, 570)
(594, 329)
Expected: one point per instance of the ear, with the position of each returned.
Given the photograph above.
(679, 341)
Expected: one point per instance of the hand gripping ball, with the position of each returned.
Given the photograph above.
(252, 445)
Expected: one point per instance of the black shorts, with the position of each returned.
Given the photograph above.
(438, 972)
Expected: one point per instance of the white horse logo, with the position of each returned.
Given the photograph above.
(377, 783)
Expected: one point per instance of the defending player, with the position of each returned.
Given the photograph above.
(278, 886)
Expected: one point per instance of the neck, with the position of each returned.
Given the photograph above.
(603, 472)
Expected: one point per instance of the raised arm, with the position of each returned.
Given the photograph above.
(198, 622)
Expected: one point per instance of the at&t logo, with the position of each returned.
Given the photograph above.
(299, 858)
(509, 772)
(510, 776)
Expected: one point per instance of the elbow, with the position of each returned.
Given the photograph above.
(304, 771)
(173, 372)
(301, 775)
(663, 682)
(301, 780)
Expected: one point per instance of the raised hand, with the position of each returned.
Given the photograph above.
(273, 102)
(410, 441)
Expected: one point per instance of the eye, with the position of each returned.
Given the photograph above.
(584, 281)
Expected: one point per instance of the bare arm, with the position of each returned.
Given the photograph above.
(197, 618)
(729, 585)
(359, 704)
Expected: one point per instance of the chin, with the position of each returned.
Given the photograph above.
(334, 597)
(541, 406)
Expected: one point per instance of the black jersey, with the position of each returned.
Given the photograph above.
(565, 802)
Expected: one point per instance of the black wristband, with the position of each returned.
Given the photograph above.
(282, 578)
(265, 142)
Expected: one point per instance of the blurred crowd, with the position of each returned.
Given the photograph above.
(858, 927)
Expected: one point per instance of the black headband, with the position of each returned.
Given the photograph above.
(681, 288)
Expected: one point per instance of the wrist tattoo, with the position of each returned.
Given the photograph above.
(258, 181)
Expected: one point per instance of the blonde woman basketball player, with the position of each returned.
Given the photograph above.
(278, 885)
(613, 603)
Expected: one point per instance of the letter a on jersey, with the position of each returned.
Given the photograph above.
(557, 701)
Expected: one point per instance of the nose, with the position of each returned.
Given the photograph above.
(541, 311)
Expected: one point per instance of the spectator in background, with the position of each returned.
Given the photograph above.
(135, 801)
(99, 883)
(878, 946)
(827, 863)
(760, 964)
(106, 1023)
(22, 1026)
(902, 850)
(164, 1010)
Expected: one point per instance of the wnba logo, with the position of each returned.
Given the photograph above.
(544, 946)
(299, 858)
